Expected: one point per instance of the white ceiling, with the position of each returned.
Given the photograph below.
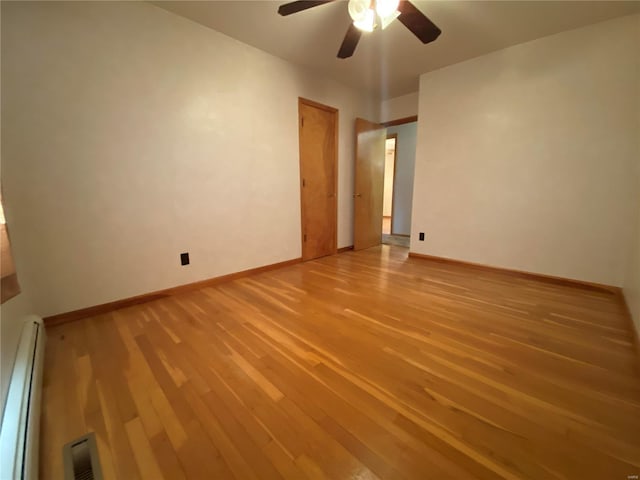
(389, 62)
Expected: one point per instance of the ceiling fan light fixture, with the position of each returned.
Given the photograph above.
(364, 15)
(368, 22)
(387, 8)
(358, 9)
(365, 12)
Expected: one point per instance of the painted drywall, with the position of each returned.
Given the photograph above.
(525, 156)
(403, 190)
(132, 135)
(389, 160)
(399, 107)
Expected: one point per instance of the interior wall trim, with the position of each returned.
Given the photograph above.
(522, 274)
(400, 121)
(167, 292)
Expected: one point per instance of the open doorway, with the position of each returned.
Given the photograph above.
(379, 161)
(400, 152)
(369, 181)
(389, 174)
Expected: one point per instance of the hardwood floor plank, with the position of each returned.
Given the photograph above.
(143, 451)
(95, 423)
(361, 365)
(218, 436)
(166, 456)
(123, 459)
(373, 432)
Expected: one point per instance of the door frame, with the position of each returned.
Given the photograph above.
(394, 123)
(334, 220)
(364, 127)
(400, 121)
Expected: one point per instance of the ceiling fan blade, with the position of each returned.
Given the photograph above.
(300, 5)
(417, 22)
(350, 42)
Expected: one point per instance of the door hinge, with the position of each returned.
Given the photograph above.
(304, 183)
(302, 121)
(305, 237)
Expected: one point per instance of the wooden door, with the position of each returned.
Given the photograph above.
(369, 184)
(318, 134)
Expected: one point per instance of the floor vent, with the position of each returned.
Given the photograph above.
(81, 460)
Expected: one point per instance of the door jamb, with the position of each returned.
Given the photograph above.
(400, 121)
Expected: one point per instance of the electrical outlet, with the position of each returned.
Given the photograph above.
(184, 258)
(421, 236)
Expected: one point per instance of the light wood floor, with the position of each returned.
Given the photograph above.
(361, 365)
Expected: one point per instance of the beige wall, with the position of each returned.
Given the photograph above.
(399, 107)
(525, 156)
(132, 134)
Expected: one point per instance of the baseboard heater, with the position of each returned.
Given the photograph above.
(20, 431)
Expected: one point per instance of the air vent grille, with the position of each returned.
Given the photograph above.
(81, 460)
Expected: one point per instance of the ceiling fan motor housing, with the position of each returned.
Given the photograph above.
(364, 13)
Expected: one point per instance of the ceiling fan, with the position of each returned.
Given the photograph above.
(365, 15)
